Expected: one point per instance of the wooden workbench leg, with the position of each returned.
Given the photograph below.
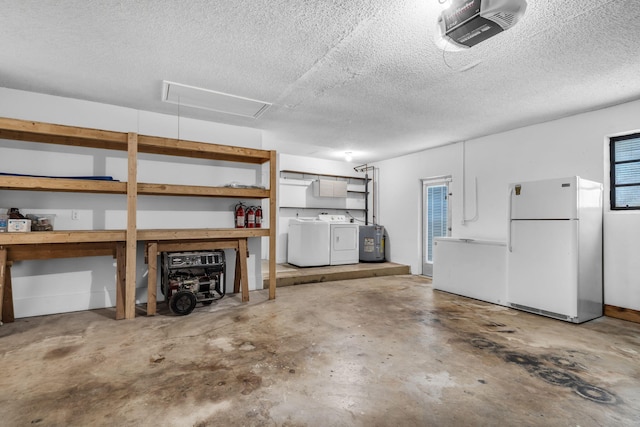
(3, 275)
(121, 278)
(152, 255)
(244, 275)
(238, 274)
(6, 290)
(7, 306)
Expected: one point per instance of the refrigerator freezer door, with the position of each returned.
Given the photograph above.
(548, 199)
(542, 271)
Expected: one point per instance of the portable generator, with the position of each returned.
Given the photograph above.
(192, 277)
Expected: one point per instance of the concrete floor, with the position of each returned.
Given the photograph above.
(384, 351)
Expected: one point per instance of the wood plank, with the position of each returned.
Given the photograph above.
(3, 277)
(325, 174)
(132, 198)
(622, 313)
(48, 133)
(237, 274)
(196, 190)
(273, 185)
(70, 236)
(197, 245)
(60, 250)
(201, 233)
(200, 150)
(62, 184)
(244, 273)
(152, 255)
(7, 303)
(121, 279)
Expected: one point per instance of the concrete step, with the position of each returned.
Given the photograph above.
(288, 275)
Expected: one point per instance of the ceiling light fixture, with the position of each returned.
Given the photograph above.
(347, 156)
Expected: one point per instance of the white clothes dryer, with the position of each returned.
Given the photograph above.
(344, 247)
(308, 242)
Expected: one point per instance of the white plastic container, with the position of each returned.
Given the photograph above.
(18, 225)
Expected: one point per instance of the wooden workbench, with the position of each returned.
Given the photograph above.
(154, 248)
(60, 244)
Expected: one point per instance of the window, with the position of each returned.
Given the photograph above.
(625, 172)
(436, 216)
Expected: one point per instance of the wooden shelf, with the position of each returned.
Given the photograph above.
(321, 208)
(201, 233)
(47, 133)
(8, 182)
(195, 190)
(71, 236)
(23, 130)
(201, 150)
(324, 174)
(94, 241)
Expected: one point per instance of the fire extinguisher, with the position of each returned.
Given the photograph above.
(251, 217)
(239, 213)
(258, 210)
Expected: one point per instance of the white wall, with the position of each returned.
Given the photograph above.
(570, 146)
(53, 286)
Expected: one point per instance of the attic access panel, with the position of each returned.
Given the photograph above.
(205, 99)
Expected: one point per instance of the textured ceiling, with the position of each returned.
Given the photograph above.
(353, 75)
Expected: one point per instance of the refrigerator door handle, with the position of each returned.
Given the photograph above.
(510, 220)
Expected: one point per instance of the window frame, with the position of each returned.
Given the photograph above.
(612, 177)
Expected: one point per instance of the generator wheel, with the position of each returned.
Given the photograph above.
(182, 302)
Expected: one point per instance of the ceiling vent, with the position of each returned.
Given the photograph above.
(190, 96)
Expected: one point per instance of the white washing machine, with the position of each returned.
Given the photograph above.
(344, 239)
(308, 242)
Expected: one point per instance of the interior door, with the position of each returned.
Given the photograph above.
(436, 213)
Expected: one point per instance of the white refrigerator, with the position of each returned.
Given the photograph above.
(554, 248)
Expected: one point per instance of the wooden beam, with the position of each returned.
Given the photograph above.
(244, 274)
(273, 185)
(3, 275)
(60, 250)
(197, 246)
(622, 313)
(23, 130)
(201, 191)
(43, 237)
(7, 305)
(201, 233)
(121, 279)
(28, 183)
(200, 150)
(132, 193)
(152, 277)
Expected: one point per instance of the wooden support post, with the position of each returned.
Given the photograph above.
(152, 260)
(132, 197)
(3, 275)
(7, 309)
(121, 279)
(244, 274)
(273, 185)
(238, 274)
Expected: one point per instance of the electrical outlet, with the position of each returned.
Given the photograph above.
(74, 215)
